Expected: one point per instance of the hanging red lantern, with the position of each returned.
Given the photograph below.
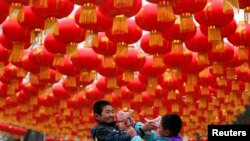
(206, 78)
(54, 10)
(106, 48)
(147, 20)
(4, 56)
(29, 88)
(101, 85)
(222, 56)
(137, 87)
(92, 93)
(120, 13)
(124, 62)
(79, 83)
(123, 39)
(68, 68)
(13, 31)
(60, 92)
(71, 34)
(169, 84)
(3, 90)
(149, 69)
(199, 43)
(22, 97)
(92, 28)
(216, 14)
(185, 8)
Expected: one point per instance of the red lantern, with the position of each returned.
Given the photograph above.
(70, 33)
(124, 62)
(101, 85)
(4, 10)
(3, 90)
(68, 68)
(54, 10)
(4, 56)
(147, 20)
(216, 14)
(29, 88)
(185, 8)
(92, 93)
(149, 69)
(60, 92)
(136, 86)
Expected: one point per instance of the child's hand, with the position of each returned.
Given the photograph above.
(131, 131)
(147, 127)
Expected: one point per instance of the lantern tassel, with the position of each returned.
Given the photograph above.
(243, 53)
(123, 3)
(16, 52)
(186, 22)
(231, 73)
(158, 61)
(227, 7)
(247, 14)
(71, 49)
(111, 82)
(165, 12)
(171, 95)
(155, 38)
(58, 75)
(88, 14)
(128, 75)
(16, 12)
(120, 25)
(39, 3)
(218, 46)
(108, 61)
(203, 58)
(21, 72)
(91, 38)
(71, 81)
(235, 3)
(34, 33)
(177, 47)
(214, 34)
(1, 68)
(217, 68)
(33, 79)
(58, 60)
(137, 97)
(175, 107)
(44, 73)
(51, 26)
(122, 49)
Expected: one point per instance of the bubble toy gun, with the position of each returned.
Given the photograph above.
(126, 116)
(156, 122)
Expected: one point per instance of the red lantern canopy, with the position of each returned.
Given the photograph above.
(124, 62)
(215, 14)
(185, 8)
(123, 39)
(54, 10)
(147, 20)
(13, 31)
(138, 87)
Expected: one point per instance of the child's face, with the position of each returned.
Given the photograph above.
(162, 132)
(107, 115)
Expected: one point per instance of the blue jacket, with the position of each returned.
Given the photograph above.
(109, 132)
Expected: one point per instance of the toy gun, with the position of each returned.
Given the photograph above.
(156, 122)
(126, 116)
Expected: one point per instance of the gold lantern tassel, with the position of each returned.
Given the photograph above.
(34, 33)
(235, 86)
(177, 73)
(117, 92)
(71, 81)
(243, 53)
(155, 38)
(152, 81)
(218, 46)
(16, 52)
(247, 14)
(126, 104)
(1, 68)
(157, 102)
(171, 95)
(189, 87)
(165, 12)
(158, 61)
(214, 34)
(189, 99)
(235, 3)
(63, 104)
(186, 22)
(38, 3)
(108, 97)
(192, 79)
(51, 26)
(111, 82)
(71, 49)
(137, 97)
(202, 103)
(244, 67)
(16, 12)
(120, 25)
(231, 73)
(175, 107)
(128, 75)
(227, 7)
(168, 75)
(123, 3)
(58, 60)
(203, 58)
(122, 49)
(218, 68)
(220, 94)
(221, 81)
(91, 39)
(88, 14)
(177, 47)
(21, 72)
(108, 61)
(44, 73)
(33, 79)
(58, 75)
(204, 73)
(204, 90)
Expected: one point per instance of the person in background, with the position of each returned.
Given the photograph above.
(168, 129)
(106, 127)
